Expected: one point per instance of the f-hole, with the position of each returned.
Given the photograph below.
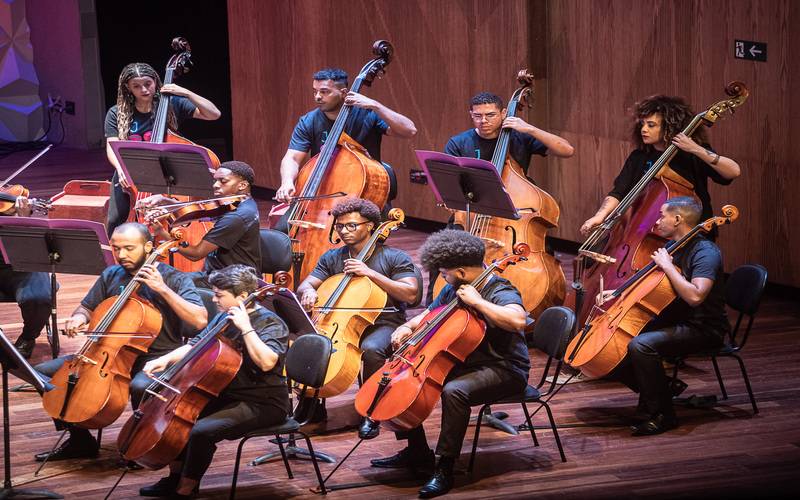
(513, 235)
(624, 258)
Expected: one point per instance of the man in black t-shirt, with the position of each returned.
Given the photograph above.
(489, 117)
(389, 268)
(498, 367)
(368, 122)
(659, 122)
(256, 397)
(170, 291)
(235, 237)
(695, 321)
(131, 119)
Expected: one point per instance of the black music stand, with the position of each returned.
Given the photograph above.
(55, 246)
(13, 362)
(285, 304)
(183, 169)
(470, 185)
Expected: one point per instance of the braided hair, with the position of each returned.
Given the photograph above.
(126, 101)
(675, 115)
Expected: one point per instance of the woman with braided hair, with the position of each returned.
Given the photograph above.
(138, 92)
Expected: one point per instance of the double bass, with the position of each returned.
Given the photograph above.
(540, 279)
(349, 305)
(342, 167)
(622, 244)
(404, 392)
(159, 429)
(603, 342)
(91, 390)
(178, 64)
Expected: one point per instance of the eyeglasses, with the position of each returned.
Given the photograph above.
(350, 226)
(479, 117)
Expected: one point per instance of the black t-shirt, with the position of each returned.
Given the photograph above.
(114, 279)
(699, 259)
(390, 262)
(251, 382)
(499, 347)
(142, 123)
(237, 234)
(687, 165)
(363, 125)
(521, 147)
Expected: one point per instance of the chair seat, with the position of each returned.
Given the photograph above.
(531, 394)
(290, 425)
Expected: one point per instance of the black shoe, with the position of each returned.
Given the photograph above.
(407, 459)
(369, 429)
(25, 347)
(656, 425)
(165, 487)
(677, 386)
(84, 448)
(439, 484)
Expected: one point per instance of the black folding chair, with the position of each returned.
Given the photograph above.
(551, 334)
(306, 364)
(743, 292)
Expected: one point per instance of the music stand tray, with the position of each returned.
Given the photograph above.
(55, 246)
(181, 169)
(467, 184)
(13, 362)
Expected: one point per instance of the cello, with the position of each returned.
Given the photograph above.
(622, 244)
(159, 429)
(603, 342)
(540, 279)
(178, 64)
(349, 305)
(91, 390)
(404, 392)
(342, 167)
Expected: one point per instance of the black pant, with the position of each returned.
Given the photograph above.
(376, 345)
(643, 371)
(464, 388)
(119, 205)
(224, 419)
(31, 291)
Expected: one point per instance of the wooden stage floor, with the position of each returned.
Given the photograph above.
(724, 451)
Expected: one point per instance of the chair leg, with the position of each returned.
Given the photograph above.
(747, 383)
(555, 431)
(314, 461)
(475, 439)
(99, 437)
(719, 377)
(283, 456)
(236, 464)
(529, 423)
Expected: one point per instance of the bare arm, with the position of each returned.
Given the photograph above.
(261, 354)
(555, 144)
(725, 166)
(112, 159)
(193, 314)
(205, 109)
(307, 291)
(692, 292)
(290, 166)
(399, 125)
(608, 206)
(510, 317)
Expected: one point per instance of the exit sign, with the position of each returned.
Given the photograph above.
(751, 51)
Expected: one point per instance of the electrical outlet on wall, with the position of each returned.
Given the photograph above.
(69, 107)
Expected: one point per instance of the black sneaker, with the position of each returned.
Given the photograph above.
(84, 448)
(165, 487)
(25, 347)
(407, 459)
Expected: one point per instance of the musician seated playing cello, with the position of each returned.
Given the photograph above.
(235, 237)
(389, 268)
(170, 291)
(31, 291)
(256, 398)
(695, 321)
(497, 368)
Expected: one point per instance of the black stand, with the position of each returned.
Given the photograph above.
(286, 305)
(470, 185)
(181, 169)
(13, 362)
(54, 245)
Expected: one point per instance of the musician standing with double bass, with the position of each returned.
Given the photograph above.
(170, 291)
(498, 367)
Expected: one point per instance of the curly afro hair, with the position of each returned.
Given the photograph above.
(675, 115)
(366, 208)
(451, 248)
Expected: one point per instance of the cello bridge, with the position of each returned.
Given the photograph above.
(85, 359)
(304, 224)
(159, 396)
(494, 243)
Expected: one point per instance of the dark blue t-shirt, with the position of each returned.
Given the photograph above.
(238, 238)
(363, 125)
(470, 145)
(142, 123)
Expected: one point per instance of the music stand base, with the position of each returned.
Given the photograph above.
(27, 493)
